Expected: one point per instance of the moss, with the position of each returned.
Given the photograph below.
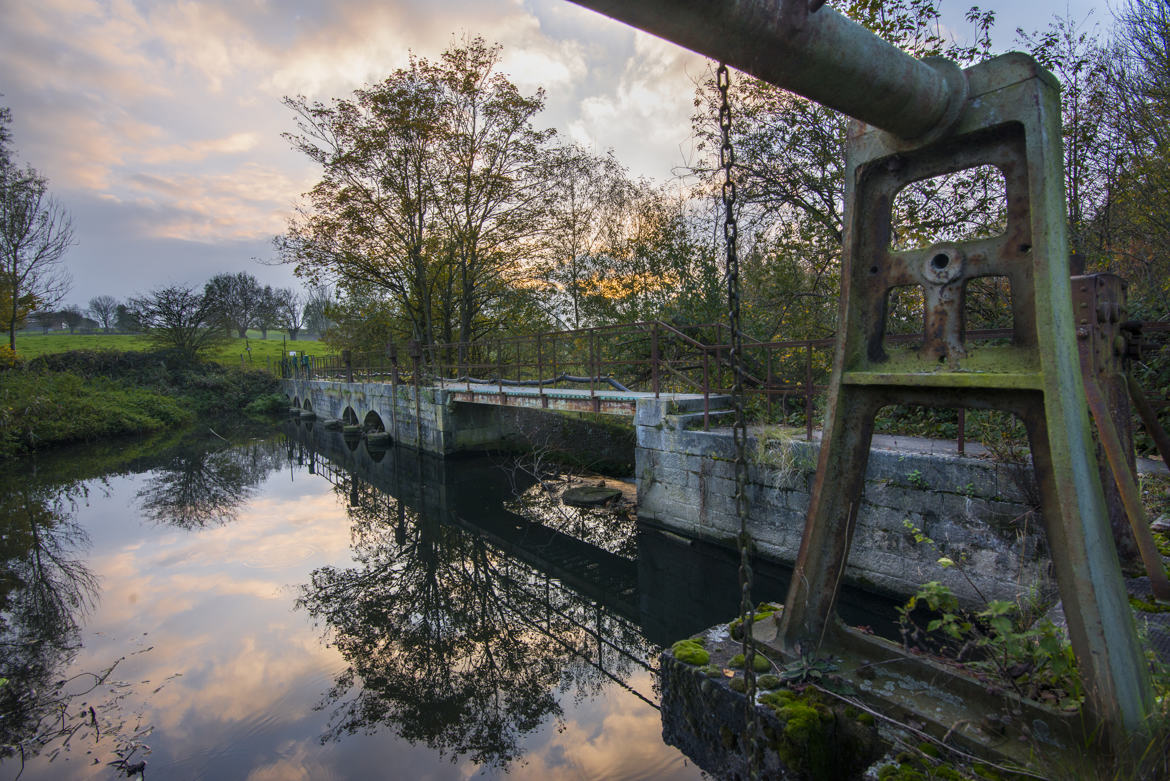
(738, 685)
(769, 681)
(690, 652)
(765, 610)
(777, 699)
(711, 671)
(930, 750)
(1148, 606)
(760, 663)
(865, 719)
(983, 771)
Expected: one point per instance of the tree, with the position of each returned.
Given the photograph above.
(35, 233)
(587, 196)
(1078, 59)
(103, 309)
(71, 316)
(236, 300)
(431, 192)
(180, 318)
(1134, 225)
(44, 320)
(370, 221)
(267, 311)
(490, 173)
(317, 308)
(126, 320)
(290, 308)
(790, 177)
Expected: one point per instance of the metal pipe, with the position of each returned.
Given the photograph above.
(819, 54)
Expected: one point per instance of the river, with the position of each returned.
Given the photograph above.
(291, 605)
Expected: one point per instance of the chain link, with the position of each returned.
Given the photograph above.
(739, 429)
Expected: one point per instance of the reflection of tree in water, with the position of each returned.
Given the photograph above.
(614, 530)
(45, 592)
(195, 486)
(452, 643)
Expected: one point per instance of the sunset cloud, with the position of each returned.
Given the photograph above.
(170, 111)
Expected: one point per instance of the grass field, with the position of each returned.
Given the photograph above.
(231, 353)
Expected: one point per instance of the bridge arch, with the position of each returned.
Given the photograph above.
(307, 405)
(373, 422)
(349, 417)
(296, 402)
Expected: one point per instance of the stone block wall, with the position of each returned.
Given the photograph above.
(976, 511)
(438, 426)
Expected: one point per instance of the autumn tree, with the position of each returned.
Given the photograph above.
(587, 197)
(490, 173)
(35, 233)
(370, 220)
(430, 191)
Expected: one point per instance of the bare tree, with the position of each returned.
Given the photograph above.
(103, 309)
(290, 309)
(180, 318)
(236, 300)
(35, 232)
(316, 312)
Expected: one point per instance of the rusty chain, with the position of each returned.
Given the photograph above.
(739, 428)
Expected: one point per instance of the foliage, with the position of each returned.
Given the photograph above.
(40, 408)
(1004, 641)
(83, 396)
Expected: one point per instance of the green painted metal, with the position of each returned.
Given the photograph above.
(820, 54)
(1012, 121)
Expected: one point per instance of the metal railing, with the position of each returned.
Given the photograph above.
(785, 380)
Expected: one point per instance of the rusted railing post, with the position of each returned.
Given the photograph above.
(415, 350)
(654, 357)
(706, 390)
(392, 352)
(808, 393)
(347, 360)
(962, 431)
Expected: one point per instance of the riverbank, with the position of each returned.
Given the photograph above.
(88, 395)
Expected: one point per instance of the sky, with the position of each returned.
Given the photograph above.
(158, 122)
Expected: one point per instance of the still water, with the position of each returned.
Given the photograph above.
(290, 605)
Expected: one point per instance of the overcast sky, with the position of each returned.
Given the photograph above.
(158, 122)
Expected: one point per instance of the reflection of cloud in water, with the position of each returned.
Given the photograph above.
(206, 609)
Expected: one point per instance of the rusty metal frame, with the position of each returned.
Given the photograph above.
(1011, 121)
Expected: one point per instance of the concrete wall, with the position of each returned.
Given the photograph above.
(440, 426)
(975, 510)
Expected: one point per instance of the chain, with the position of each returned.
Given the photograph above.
(739, 429)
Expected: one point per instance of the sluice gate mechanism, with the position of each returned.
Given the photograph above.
(918, 119)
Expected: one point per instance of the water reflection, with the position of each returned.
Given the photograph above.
(193, 487)
(451, 638)
(45, 592)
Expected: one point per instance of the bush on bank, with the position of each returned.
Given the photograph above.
(90, 394)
